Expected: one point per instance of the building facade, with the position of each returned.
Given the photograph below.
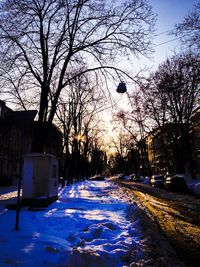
(16, 137)
(168, 153)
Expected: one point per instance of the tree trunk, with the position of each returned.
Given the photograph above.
(40, 134)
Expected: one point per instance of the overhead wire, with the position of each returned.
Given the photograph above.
(169, 41)
(167, 31)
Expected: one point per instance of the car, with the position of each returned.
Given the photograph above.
(176, 183)
(97, 178)
(157, 180)
(136, 178)
(121, 176)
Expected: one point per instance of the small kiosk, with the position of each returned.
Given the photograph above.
(40, 179)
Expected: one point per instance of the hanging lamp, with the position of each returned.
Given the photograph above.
(121, 88)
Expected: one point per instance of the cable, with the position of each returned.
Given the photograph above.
(167, 41)
(158, 34)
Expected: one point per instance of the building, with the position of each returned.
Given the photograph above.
(15, 140)
(168, 153)
(17, 130)
(163, 148)
(195, 142)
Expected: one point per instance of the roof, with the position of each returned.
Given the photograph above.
(25, 115)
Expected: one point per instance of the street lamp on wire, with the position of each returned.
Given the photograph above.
(121, 88)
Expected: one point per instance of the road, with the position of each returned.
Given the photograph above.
(178, 217)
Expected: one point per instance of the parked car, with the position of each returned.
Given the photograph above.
(121, 176)
(136, 178)
(176, 183)
(97, 178)
(157, 180)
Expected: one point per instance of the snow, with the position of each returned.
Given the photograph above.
(194, 186)
(87, 226)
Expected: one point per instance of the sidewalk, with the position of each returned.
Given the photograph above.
(87, 226)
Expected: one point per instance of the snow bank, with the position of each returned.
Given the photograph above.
(194, 186)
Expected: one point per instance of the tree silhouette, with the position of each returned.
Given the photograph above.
(48, 43)
(189, 29)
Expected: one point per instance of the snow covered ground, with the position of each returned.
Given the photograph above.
(194, 185)
(87, 226)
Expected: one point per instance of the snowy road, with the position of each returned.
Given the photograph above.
(177, 214)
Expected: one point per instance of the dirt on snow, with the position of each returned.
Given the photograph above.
(170, 223)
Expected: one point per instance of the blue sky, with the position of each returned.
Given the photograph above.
(169, 13)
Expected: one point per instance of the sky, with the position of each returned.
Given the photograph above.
(169, 13)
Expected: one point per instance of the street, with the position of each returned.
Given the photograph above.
(177, 215)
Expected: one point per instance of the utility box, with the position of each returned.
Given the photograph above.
(40, 178)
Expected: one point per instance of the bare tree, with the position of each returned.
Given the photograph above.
(178, 80)
(51, 39)
(189, 29)
(172, 95)
(121, 143)
(135, 122)
(76, 113)
(98, 158)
